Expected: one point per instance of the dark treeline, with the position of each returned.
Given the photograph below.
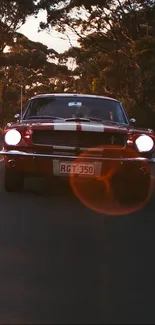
(115, 56)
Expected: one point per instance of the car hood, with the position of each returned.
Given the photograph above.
(92, 126)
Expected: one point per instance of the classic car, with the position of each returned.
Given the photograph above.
(57, 129)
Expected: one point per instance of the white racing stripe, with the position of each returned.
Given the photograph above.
(92, 127)
(71, 126)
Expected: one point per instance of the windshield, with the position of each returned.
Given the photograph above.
(73, 107)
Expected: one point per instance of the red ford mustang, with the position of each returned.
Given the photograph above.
(82, 135)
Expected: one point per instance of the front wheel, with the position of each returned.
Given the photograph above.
(13, 180)
(133, 191)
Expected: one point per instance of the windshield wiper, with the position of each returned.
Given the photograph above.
(83, 119)
(44, 117)
(89, 119)
(95, 119)
(77, 119)
(110, 122)
(102, 120)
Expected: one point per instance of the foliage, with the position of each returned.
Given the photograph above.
(115, 56)
(27, 64)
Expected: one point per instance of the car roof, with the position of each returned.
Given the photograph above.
(73, 95)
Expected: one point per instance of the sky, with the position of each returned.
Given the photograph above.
(55, 40)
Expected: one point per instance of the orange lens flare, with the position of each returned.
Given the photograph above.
(97, 193)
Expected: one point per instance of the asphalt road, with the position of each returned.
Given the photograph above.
(63, 263)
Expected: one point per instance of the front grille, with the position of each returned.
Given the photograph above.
(77, 139)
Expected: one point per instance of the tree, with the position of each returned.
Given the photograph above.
(12, 15)
(29, 64)
(116, 54)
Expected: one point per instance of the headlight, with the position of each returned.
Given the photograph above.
(12, 137)
(144, 143)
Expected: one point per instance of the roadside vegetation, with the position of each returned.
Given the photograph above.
(115, 55)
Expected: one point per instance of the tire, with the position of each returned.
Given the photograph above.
(134, 192)
(13, 180)
(49, 185)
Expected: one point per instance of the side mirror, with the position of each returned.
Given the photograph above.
(17, 116)
(132, 121)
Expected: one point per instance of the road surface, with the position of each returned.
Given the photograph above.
(63, 263)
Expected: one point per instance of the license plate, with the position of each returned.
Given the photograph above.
(78, 168)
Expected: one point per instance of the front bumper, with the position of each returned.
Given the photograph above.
(17, 153)
(129, 177)
(41, 162)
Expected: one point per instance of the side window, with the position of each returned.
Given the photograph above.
(120, 115)
(26, 107)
